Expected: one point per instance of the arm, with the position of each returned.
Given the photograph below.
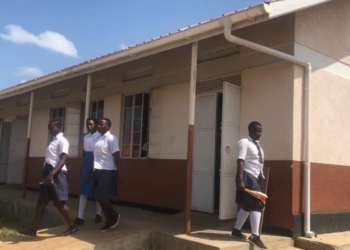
(113, 145)
(118, 162)
(63, 147)
(242, 149)
(240, 183)
(59, 166)
(82, 166)
(91, 169)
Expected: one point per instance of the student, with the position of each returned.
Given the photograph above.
(106, 162)
(87, 189)
(54, 184)
(250, 161)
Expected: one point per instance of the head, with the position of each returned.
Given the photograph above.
(255, 130)
(54, 127)
(104, 125)
(91, 125)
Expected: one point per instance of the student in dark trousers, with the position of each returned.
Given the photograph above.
(87, 189)
(54, 184)
(106, 165)
(250, 161)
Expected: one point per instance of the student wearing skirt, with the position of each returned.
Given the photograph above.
(250, 161)
(87, 189)
(54, 183)
(107, 172)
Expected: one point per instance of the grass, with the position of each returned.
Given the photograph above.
(9, 226)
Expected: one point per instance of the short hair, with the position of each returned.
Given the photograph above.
(56, 122)
(92, 119)
(253, 125)
(108, 121)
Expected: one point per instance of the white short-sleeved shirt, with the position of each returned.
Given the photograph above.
(57, 146)
(248, 151)
(90, 141)
(104, 149)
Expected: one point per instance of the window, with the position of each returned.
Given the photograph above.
(96, 109)
(59, 113)
(135, 125)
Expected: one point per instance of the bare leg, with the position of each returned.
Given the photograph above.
(65, 211)
(39, 212)
(107, 208)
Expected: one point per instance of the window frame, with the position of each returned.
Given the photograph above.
(63, 121)
(97, 102)
(132, 124)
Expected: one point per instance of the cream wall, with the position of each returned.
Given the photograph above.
(267, 97)
(330, 115)
(325, 28)
(9, 118)
(112, 110)
(39, 138)
(169, 122)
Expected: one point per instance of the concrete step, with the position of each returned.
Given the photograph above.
(211, 240)
(291, 248)
(334, 241)
(123, 237)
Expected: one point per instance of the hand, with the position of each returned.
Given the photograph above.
(88, 178)
(49, 179)
(120, 179)
(240, 185)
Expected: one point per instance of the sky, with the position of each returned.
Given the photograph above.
(38, 37)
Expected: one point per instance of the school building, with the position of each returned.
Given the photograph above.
(285, 64)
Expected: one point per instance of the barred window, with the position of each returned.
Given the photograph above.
(60, 114)
(96, 109)
(135, 132)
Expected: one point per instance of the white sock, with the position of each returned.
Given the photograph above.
(98, 208)
(255, 222)
(241, 218)
(82, 204)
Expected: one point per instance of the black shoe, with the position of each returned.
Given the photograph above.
(238, 234)
(111, 223)
(30, 232)
(71, 230)
(257, 241)
(98, 219)
(114, 219)
(79, 222)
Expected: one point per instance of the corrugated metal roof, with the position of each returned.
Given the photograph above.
(129, 47)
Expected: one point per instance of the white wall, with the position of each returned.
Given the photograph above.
(330, 115)
(112, 110)
(72, 127)
(267, 97)
(39, 138)
(9, 118)
(169, 122)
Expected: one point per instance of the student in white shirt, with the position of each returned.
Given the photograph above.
(250, 163)
(87, 189)
(54, 184)
(107, 172)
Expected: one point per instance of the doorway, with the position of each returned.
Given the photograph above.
(216, 134)
(17, 146)
(218, 154)
(4, 150)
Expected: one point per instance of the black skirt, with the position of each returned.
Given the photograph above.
(252, 183)
(59, 188)
(105, 184)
